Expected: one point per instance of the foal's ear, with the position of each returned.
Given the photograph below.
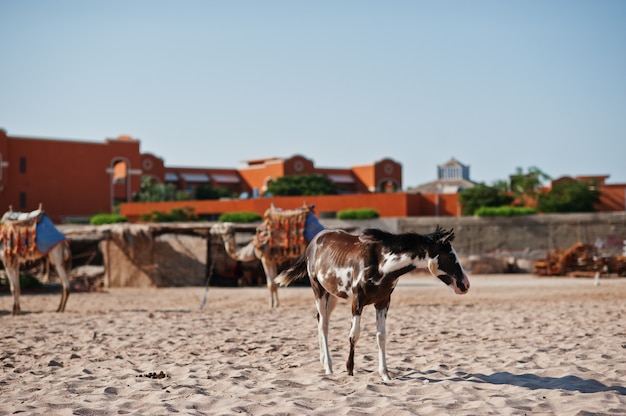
(448, 236)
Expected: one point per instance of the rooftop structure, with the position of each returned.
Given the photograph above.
(452, 178)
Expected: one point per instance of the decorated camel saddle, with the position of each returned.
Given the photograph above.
(28, 235)
(287, 232)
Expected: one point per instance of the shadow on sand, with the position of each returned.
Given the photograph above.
(529, 381)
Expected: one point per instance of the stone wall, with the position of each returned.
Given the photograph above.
(476, 235)
(504, 245)
(140, 255)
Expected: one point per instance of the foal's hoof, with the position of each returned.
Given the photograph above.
(385, 376)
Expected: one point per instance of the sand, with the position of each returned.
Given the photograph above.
(515, 345)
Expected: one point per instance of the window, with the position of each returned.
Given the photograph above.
(22, 164)
(22, 200)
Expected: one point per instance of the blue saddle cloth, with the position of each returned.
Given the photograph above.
(48, 235)
(312, 226)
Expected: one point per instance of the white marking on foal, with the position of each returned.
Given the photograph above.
(457, 261)
(392, 262)
(433, 266)
(325, 307)
(355, 329)
(342, 276)
(345, 278)
(381, 339)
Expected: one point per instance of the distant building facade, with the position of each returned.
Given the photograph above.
(76, 179)
(253, 179)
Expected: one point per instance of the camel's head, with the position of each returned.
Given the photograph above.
(223, 229)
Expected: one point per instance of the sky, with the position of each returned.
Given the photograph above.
(497, 85)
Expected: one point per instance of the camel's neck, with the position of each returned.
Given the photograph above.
(245, 253)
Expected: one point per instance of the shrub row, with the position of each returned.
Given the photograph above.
(504, 211)
(175, 215)
(240, 217)
(357, 214)
(100, 219)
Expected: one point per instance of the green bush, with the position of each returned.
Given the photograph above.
(184, 214)
(100, 219)
(175, 215)
(358, 214)
(481, 195)
(504, 211)
(240, 217)
(151, 191)
(571, 196)
(153, 216)
(208, 192)
(295, 185)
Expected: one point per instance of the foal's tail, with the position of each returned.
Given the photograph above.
(295, 272)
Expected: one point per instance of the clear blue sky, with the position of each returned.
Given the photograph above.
(495, 84)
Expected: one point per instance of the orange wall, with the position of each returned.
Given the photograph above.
(388, 205)
(448, 205)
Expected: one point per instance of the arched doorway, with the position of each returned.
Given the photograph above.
(388, 186)
(120, 181)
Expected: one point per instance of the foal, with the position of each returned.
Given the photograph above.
(368, 267)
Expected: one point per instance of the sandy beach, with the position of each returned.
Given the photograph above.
(515, 345)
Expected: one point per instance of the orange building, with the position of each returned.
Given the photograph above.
(253, 179)
(71, 179)
(77, 179)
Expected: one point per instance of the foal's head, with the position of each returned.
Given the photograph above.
(444, 263)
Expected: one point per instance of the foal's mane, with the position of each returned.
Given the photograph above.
(399, 242)
(440, 234)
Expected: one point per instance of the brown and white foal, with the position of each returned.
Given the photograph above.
(368, 266)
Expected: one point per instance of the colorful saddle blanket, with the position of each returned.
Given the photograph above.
(28, 235)
(288, 231)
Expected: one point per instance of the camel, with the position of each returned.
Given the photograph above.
(23, 238)
(250, 252)
(282, 236)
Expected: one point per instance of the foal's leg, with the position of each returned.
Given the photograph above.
(355, 331)
(56, 258)
(325, 305)
(381, 338)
